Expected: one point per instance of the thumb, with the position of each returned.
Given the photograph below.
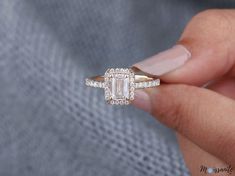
(201, 115)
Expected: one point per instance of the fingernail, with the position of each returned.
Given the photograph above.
(165, 61)
(142, 100)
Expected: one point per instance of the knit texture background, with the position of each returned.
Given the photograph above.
(51, 124)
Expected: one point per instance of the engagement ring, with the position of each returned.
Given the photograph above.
(119, 84)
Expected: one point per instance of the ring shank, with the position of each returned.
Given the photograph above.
(119, 84)
(141, 81)
(138, 78)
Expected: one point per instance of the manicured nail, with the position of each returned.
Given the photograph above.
(165, 61)
(142, 100)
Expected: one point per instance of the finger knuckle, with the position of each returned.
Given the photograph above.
(211, 23)
(226, 144)
(175, 114)
(211, 30)
(210, 16)
(183, 111)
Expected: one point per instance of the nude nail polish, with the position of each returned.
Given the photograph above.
(165, 61)
(142, 100)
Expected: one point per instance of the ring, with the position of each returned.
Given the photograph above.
(119, 84)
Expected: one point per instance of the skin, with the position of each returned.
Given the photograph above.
(206, 126)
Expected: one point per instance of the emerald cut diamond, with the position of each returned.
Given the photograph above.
(119, 86)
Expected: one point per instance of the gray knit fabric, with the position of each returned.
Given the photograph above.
(51, 124)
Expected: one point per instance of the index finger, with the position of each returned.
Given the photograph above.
(205, 52)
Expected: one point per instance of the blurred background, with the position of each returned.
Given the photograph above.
(51, 124)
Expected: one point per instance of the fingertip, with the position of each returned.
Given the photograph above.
(142, 100)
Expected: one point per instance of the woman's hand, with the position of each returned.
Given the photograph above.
(204, 118)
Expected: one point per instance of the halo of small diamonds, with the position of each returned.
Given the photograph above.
(119, 86)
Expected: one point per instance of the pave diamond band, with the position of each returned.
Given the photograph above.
(93, 83)
(147, 84)
(119, 84)
(138, 85)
